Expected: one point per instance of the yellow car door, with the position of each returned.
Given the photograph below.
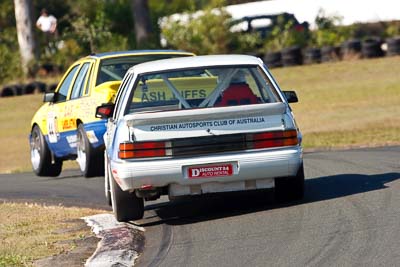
(58, 114)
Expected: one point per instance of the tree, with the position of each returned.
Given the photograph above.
(25, 33)
(204, 32)
(141, 17)
(329, 31)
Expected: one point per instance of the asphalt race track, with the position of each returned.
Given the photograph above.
(69, 189)
(350, 216)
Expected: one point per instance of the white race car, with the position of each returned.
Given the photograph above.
(198, 125)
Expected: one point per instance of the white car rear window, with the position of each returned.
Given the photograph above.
(201, 88)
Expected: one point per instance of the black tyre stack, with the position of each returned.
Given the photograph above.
(292, 56)
(19, 89)
(393, 46)
(34, 87)
(312, 56)
(8, 90)
(371, 48)
(273, 59)
(330, 53)
(351, 49)
(22, 89)
(52, 87)
(12, 90)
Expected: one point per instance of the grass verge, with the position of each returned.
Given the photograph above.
(16, 114)
(343, 104)
(31, 231)
(348, 103)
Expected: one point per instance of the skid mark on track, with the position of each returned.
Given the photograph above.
(371, 218)
(188, 245)
(167, 239)
(337, 240)
(366, 230)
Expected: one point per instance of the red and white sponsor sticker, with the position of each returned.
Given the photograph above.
(210, 171)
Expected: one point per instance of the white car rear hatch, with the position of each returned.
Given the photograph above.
(205, 122)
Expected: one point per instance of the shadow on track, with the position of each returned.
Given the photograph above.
(203, 208)
(329, 187)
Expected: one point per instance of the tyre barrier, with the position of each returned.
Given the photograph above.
(351, 49)
(393, 46)
(19, 89)
(292, 56)
(371, 48)
(12, 90)
(52, 87)
(273, 59)
(35, 87)
(330, 54)
(22, 89)
(254, 54)
(312, 56)
(8, 90)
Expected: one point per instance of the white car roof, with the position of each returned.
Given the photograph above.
(192, 62)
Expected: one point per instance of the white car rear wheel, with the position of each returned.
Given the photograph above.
(290, 188)
(126, 206)
(107, 177)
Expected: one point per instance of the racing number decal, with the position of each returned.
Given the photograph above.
(68, 124)
(52, 127)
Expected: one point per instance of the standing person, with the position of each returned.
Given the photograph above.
(46, 23)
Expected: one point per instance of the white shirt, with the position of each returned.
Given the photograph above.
(44, 23)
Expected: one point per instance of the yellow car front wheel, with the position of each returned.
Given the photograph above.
(41, 158)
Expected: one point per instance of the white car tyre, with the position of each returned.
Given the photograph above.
(126, 206)
(290, 188)
(107, 177)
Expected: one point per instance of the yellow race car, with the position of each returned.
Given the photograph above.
(65, 126)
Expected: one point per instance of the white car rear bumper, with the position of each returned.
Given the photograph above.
(251, 170)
